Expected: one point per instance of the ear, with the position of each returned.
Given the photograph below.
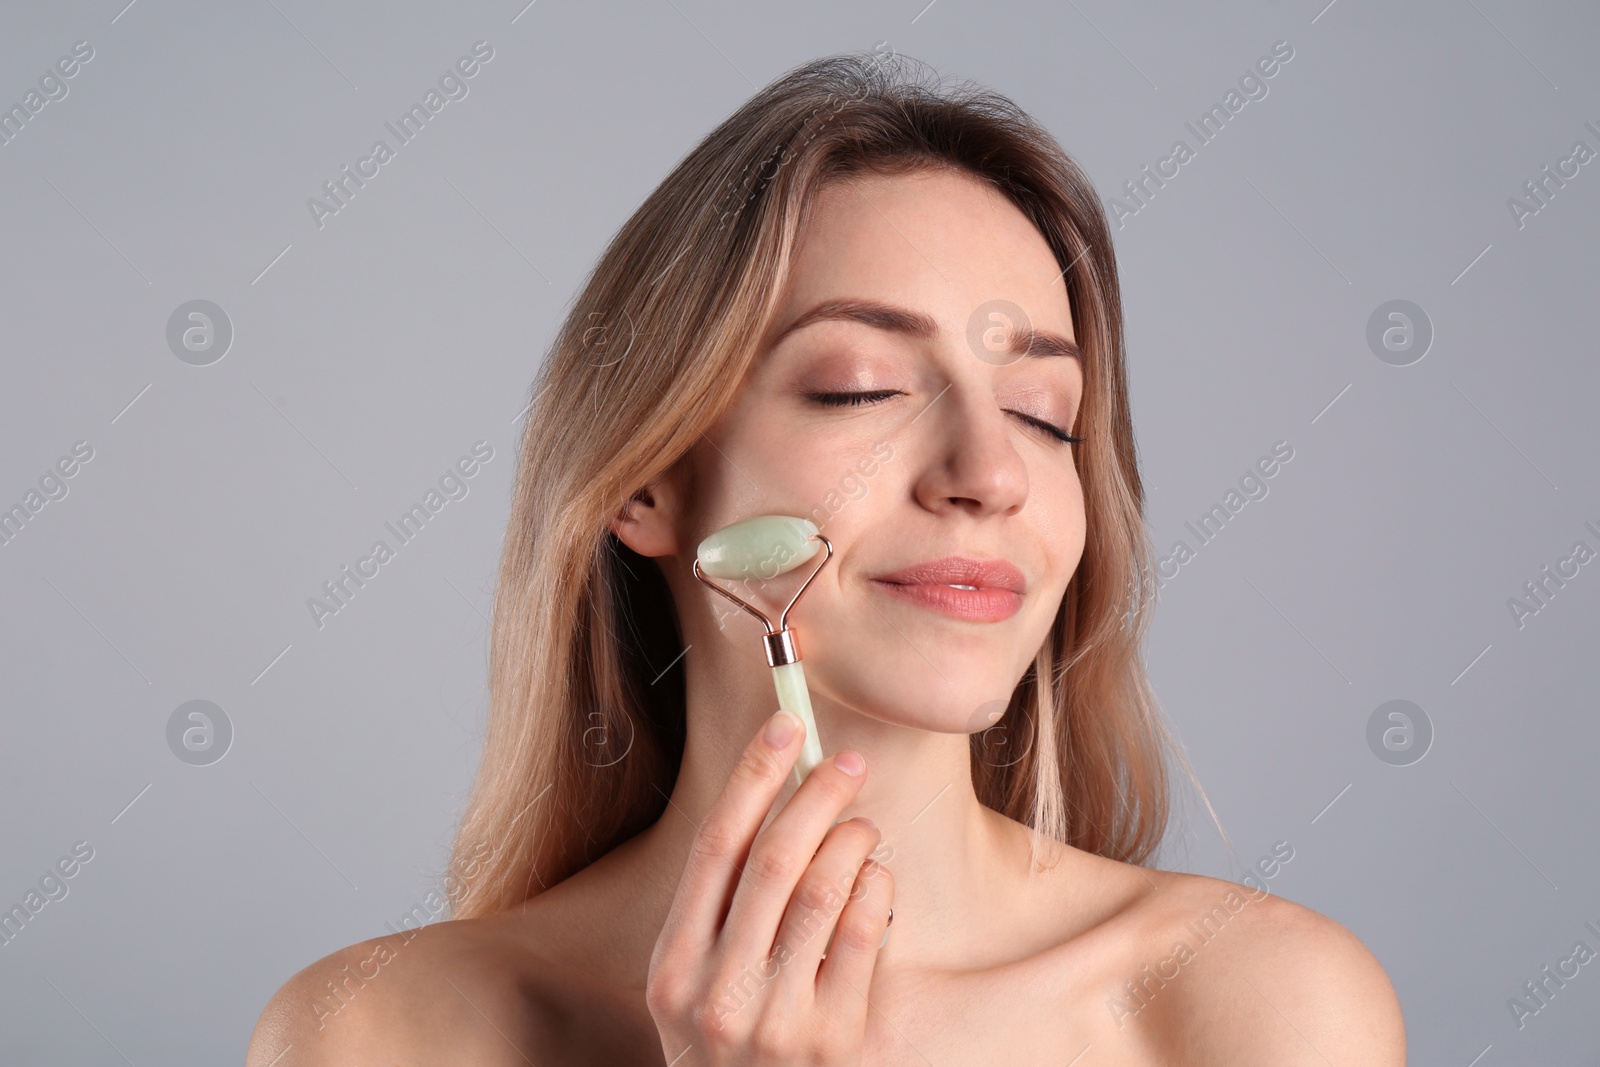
(647, 523)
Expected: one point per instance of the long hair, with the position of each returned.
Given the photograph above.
(586, 722)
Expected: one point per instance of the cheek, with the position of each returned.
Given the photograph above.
(846, 488)
(831, 480)
(758, 467)
(1060, 522)
(744, 469)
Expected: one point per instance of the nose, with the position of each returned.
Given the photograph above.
(972, 461)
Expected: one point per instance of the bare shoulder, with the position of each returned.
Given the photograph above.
(1251, 977)
(447, 991)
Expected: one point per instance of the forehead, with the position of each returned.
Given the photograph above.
(941, 242)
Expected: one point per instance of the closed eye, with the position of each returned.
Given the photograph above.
(853, 399)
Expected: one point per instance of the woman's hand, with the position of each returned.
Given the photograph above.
(738, 974)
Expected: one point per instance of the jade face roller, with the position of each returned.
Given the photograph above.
(760, 548)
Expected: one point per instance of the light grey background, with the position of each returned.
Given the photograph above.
(371, 353)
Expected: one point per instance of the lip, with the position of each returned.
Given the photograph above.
(998, 595)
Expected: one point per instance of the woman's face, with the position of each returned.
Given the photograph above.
(941, 458)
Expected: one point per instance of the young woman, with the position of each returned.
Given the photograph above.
(894, 310)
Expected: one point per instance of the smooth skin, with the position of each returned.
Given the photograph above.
(985, 961)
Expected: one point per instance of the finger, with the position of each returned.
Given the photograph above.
(818, 900)
(782, 852)
(724, 836)
(846, 974)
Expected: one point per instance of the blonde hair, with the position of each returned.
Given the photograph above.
(587, 707)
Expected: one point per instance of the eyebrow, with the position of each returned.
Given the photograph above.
(917, 324)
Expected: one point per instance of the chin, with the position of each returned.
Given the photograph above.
(921, 700)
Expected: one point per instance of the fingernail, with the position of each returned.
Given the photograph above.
(868, 823)
(781, 728)
(850, 763)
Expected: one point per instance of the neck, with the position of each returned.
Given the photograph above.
(952, 858)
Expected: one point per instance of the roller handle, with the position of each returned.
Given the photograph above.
(790, 680)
